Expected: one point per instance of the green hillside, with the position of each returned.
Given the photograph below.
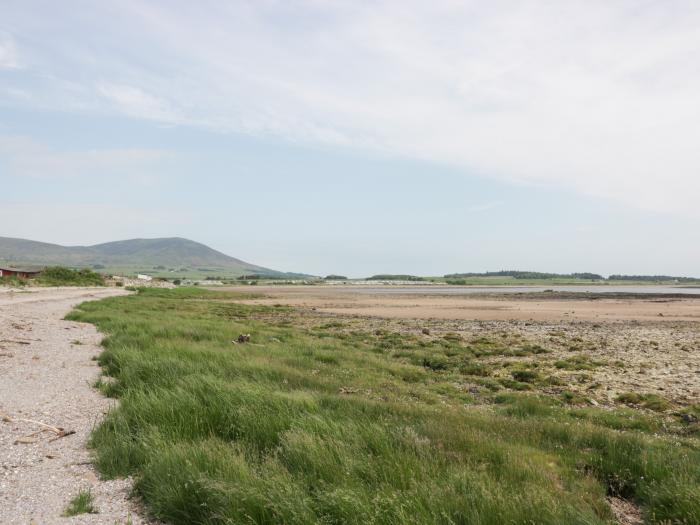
(165, 256)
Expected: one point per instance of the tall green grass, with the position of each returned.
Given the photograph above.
(303, 427)
(61, 276)
(82, 503)
(58, 276)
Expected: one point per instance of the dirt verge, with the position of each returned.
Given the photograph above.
(48, 407)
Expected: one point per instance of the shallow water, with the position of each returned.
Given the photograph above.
(468, 290)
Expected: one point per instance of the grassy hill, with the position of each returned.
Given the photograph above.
(172, 256)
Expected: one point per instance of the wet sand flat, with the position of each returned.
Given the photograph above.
(625, 343)
(430, 304)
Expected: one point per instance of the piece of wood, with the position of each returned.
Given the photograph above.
(27, 440)
(59, 431)
(63, 434)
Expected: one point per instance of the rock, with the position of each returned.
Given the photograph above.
(689, 418)
(243, 338)
(425, 331)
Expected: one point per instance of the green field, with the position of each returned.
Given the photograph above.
(310, 425)
(172, 273)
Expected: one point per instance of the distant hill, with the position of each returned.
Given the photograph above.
(173, 253)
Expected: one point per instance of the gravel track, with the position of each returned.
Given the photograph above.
(46, 376)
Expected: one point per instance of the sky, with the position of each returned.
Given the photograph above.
(359, 137)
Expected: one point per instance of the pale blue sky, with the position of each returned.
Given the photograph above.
(359, 138)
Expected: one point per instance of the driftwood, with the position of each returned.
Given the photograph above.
(26, 440)
(62, 434)
(31, 438)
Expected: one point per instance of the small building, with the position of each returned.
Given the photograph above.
(18, 272)
(144, 277)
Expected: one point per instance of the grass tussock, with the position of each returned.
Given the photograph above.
(650, 401)
(82, 503)
(301, 426)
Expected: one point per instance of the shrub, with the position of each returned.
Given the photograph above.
(13, 280)
(61, 276)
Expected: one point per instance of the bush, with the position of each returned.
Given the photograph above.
(13, 280)
(61, 276)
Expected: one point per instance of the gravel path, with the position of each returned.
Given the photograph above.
(46, 373)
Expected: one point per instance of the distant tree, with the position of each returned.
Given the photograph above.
(652, 278)
(518, 274)
(335, 278)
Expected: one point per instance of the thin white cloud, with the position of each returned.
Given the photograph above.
(25, 157)
(599, 97)
(135, 102)
(9, 53)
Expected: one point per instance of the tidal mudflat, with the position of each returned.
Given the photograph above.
(600, 345)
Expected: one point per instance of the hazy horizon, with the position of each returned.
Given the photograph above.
(370, 274)
(357, 138)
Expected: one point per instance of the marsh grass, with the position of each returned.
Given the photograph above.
(650, 401)
(578, 362)
(305, 426)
